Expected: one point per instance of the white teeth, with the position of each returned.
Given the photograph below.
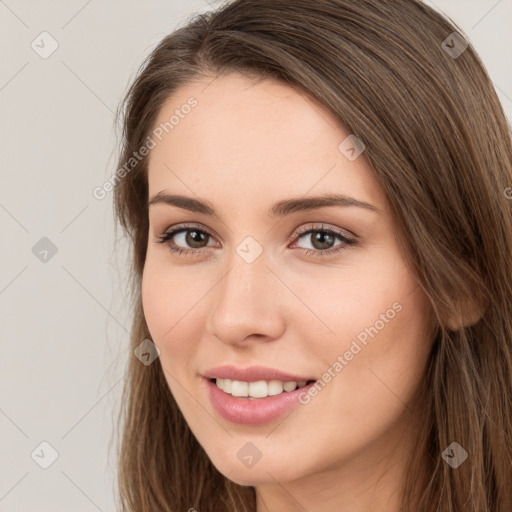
(239, 388)
(227, 385)
(258, 389)
(274, 387)
(289, 386)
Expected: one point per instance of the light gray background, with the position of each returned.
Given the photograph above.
(64, 322)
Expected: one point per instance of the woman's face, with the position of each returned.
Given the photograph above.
(255, 287)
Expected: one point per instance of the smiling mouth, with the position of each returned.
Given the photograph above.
(258, 389)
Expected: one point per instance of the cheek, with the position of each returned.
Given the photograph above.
(380, 325)
(383, 358)
(167, 298)
(155, 301)
(369, 298)
(173, 311)
(162, 301)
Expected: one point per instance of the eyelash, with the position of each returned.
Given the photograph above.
(165, 239)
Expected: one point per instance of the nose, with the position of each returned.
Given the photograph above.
(248, 303)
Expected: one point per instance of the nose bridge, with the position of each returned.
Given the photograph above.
(246, 300)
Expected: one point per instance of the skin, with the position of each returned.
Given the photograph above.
(247, 145)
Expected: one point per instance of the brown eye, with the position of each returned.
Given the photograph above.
(189, 240)
(185, 239)
(322, 241)
(195, 238)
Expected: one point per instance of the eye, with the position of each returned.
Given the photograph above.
(323, 239)
(196, 239)
(187, 234)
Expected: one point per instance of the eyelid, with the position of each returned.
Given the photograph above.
(179, 228)
(348, 238)
(320, 226)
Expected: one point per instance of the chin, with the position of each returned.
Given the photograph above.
(249, 477)
(262, 473)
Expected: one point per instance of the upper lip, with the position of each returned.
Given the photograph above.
(252, 374)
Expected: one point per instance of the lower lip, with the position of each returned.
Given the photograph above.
(243, 411)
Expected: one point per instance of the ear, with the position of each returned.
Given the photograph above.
(469, 313)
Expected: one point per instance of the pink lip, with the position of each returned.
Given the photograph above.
(258, 411)
(253, 412)
(252, 374)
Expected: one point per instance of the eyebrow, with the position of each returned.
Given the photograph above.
(279, 209)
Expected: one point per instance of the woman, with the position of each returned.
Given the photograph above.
(315, 197)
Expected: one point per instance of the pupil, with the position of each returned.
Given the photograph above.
(321, 237)
(191, 238)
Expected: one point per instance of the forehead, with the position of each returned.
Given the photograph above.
(261, 138)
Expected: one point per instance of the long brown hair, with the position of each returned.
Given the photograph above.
(395, 74)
